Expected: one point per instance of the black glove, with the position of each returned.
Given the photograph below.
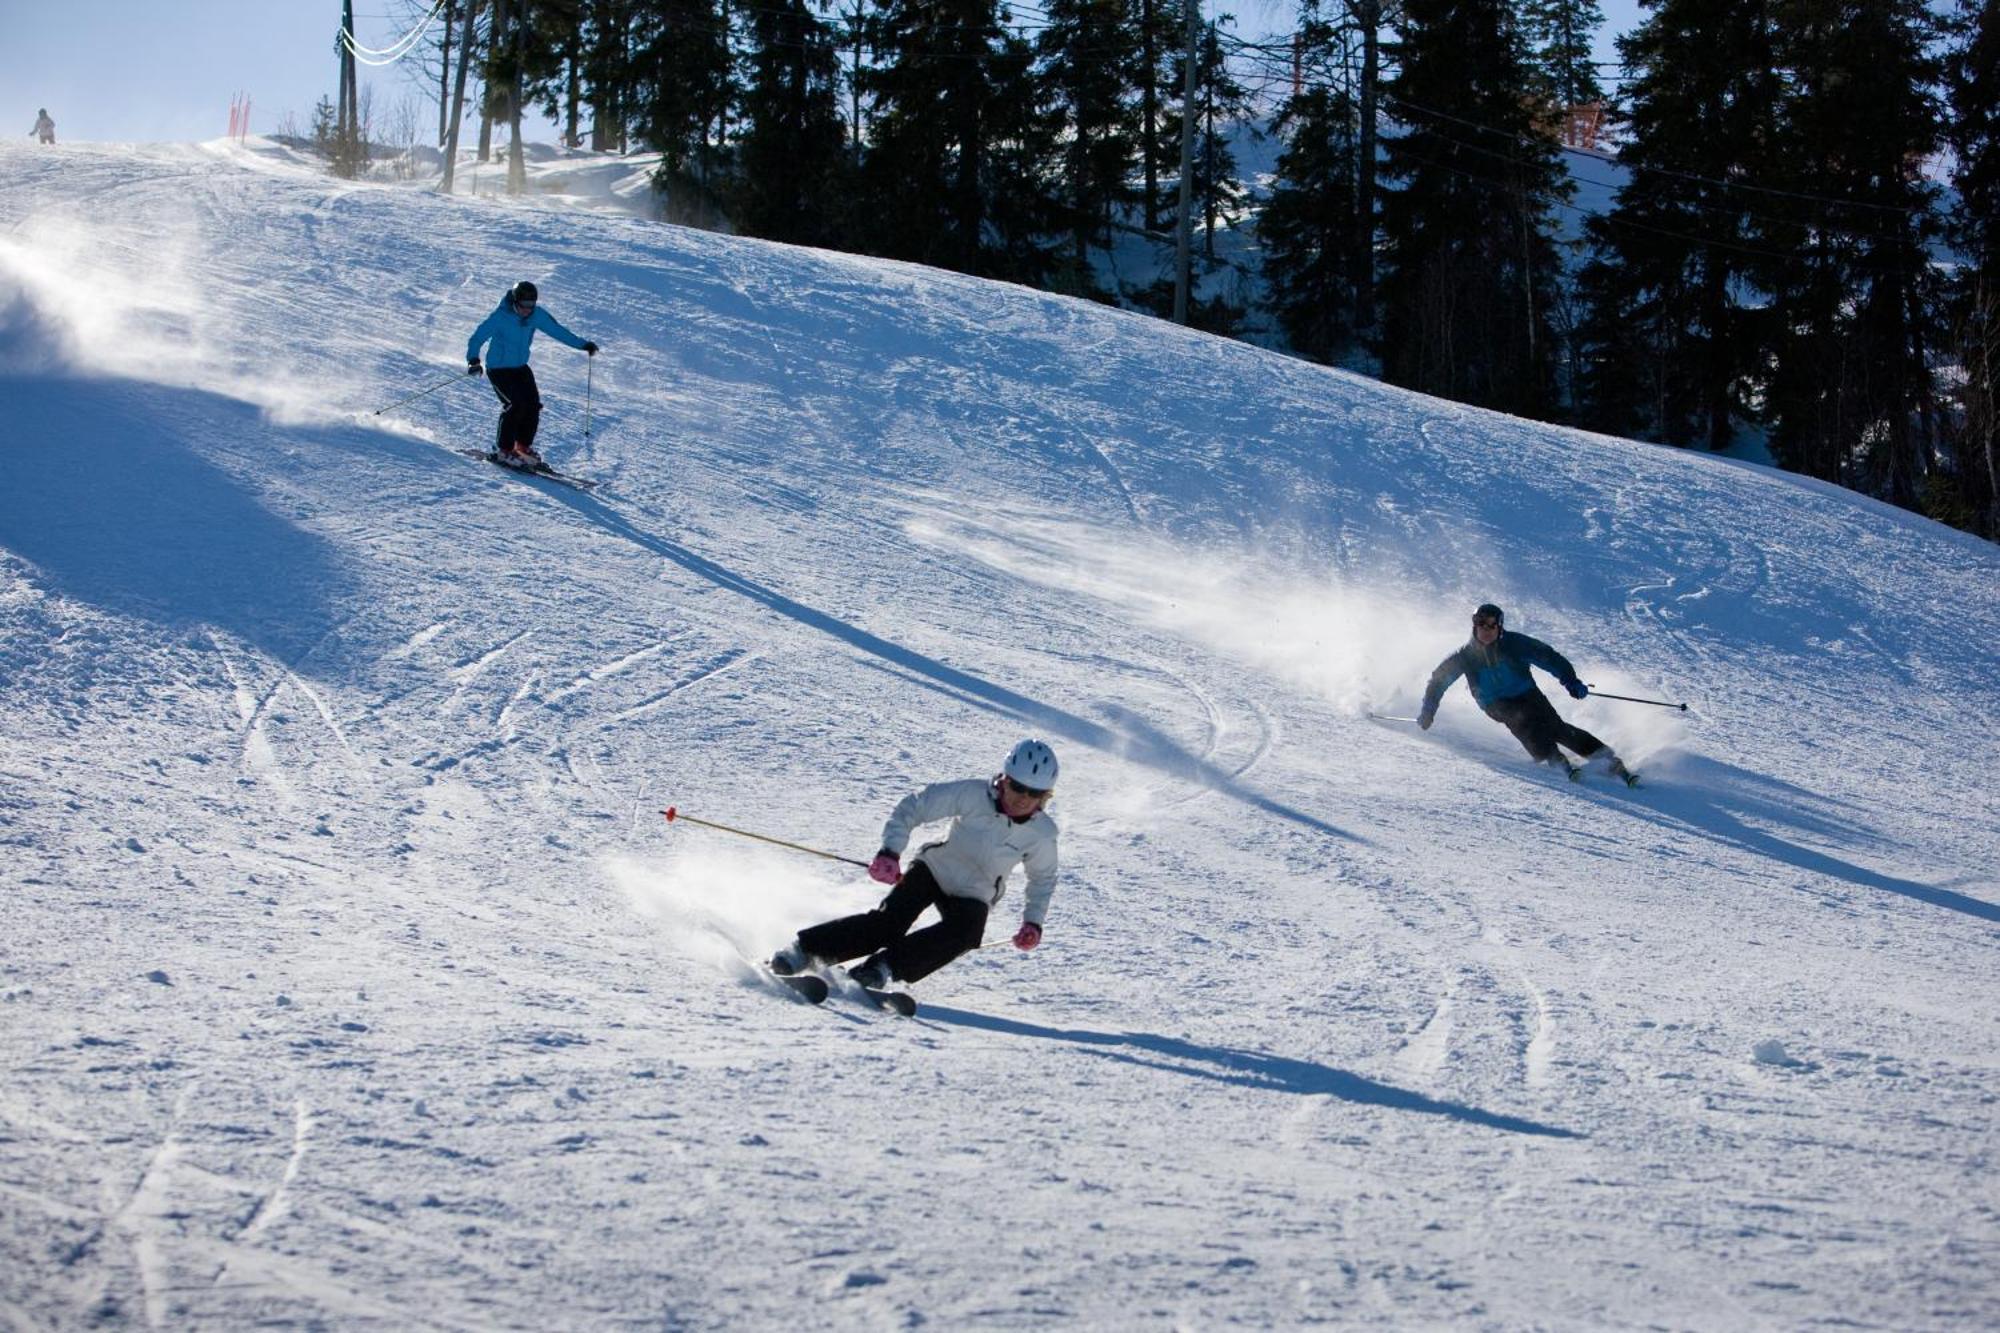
(1577, 689)
(1425, 719)
(473, 367)
(590, 349)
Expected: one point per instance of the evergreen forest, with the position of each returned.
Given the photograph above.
(1799, 256)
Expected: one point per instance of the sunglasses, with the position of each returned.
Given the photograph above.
(1030, 792)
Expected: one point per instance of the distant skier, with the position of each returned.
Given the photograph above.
(1495, 664)
(510, 329)
(997, 824)
(45, 129)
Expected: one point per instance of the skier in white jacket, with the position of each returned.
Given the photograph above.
(997, 824)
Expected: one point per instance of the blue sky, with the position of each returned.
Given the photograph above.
(148, 70)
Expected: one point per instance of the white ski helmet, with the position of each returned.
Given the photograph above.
(1032, 765)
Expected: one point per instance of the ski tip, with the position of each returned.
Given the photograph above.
(811, 989)
(902, 1002)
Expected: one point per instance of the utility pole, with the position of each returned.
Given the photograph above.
(444, 72)
(347, 123)
(1182, 270)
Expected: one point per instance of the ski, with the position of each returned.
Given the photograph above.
(902, 1002)
(545, 472)
(812, 989)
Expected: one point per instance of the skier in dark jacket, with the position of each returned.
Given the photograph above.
(1495, 665)
(510, 331)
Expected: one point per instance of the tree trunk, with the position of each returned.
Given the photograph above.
(465, 43)
(517, 167)
(444, 72)
(1368, 15)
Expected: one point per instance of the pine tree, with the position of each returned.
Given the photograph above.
(1973, 79)
(1221, 105)
(1158, 23)
(1847, 263)
(791, 184)
(1561, 60)
(609, 77)
(1089, 71)
(553, 54)
(1667, 353)
(958, 144)
(1472, 263)
(684, 89)
(1307, 226)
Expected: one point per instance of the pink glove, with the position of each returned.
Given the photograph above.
(886, 868)
(1028, 936)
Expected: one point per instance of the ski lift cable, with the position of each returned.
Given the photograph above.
(396, 50)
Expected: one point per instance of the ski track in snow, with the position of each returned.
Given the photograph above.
(352, 977)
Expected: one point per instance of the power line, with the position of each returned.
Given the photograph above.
(396, 50)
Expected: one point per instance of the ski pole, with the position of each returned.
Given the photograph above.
(1385, 717)
(588, 362)
(1626, 698)
(672, 814)
(418, 394)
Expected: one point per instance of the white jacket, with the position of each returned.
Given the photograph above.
(983, 846)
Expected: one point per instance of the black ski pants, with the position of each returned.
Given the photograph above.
(522, 404)
(912, 956)
(1536, 724)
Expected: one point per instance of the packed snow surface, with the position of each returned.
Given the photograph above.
(350, 976)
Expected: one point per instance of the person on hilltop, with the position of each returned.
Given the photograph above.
(1495, 664)
(997, 824)
(45, 129)
(505, 336)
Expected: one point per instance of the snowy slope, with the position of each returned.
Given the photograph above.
(350, 977)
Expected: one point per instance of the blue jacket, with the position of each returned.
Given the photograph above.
(1497, 673)
(510, 335)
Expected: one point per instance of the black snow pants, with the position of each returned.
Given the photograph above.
(911, 956)
(1536, 724)
(522, 402)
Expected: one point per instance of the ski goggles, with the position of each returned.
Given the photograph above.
(1032, 793)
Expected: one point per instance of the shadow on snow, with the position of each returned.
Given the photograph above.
(1145, 746)
(1245, 1069)
(1741, 809)
(109, 496)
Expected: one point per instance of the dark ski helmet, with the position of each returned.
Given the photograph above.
(1488, 611)
(524, 293)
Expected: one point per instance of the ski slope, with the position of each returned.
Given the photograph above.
(350, 978)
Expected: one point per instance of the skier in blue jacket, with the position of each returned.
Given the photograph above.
(506, 336)
(1495, 665)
